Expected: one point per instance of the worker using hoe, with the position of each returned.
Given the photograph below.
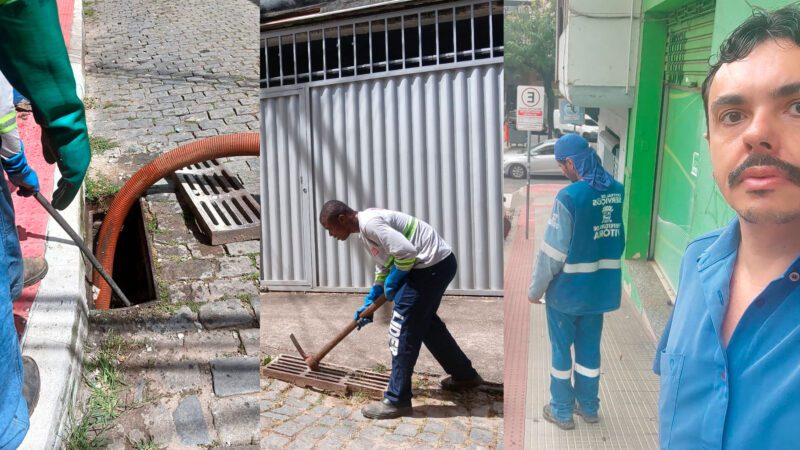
(578, 271)
(414, 267)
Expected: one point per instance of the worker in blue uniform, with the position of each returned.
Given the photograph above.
(34, 59)
(577, 272)
(729, 356)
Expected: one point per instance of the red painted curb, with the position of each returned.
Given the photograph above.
(31, 218)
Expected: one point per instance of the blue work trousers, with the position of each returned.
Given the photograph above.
(13, 409)
(584, 333)
(414, 322)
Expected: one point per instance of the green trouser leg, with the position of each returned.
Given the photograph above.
(34, 59)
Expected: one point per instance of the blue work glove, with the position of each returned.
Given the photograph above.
(393, 282)
(373, 295)
(21, 174)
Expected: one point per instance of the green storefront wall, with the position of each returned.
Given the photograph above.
(708, 209)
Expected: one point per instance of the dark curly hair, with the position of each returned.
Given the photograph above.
(783, 23)
(334, 208)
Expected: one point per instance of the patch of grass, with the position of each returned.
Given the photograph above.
(99, 144)
(99, 187)
(108, 104)
(172, 308)
(163, 291)
(251, 277)
(89, 102)
(266, 360)
(152, 225)
(245, 298)
(146, 444)
(358, 398)
(418, 383)
(253, 259)
(88, 9)
(104, 404)
(379, 368)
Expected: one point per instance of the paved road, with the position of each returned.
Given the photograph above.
(295, 418)
(159, 74)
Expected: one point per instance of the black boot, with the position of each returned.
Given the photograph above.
(30, 383)
(385, 410)
(450, 384)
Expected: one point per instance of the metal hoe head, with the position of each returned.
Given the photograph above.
(309, 359)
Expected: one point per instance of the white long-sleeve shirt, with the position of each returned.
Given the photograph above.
(395, 238)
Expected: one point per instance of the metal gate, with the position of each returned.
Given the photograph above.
(400, 111)
(286, 240)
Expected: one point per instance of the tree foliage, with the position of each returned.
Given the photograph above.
(530, 46)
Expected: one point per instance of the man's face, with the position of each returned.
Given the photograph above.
(336, 227)
(754, 133)
(568, 169)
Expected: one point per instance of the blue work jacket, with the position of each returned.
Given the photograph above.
(578, 267)
(748, 395)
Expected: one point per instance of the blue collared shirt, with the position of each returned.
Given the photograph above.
(748, 395)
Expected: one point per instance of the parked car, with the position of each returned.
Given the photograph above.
(588, 130)
(543, 161)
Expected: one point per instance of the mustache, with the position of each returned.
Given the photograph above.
(793, 172)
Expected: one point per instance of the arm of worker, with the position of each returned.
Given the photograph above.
(34, 59)
(398, 247)
(552, 252)
(12, 155)
(21, 174)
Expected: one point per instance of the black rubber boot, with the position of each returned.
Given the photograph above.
(385, 410)
(450, 384)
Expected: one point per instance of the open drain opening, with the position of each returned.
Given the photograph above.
(133, 259)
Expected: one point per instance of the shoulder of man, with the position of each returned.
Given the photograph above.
(699, 245)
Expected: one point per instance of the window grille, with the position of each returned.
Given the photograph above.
(434, 35)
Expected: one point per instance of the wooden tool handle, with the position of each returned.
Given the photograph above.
(317, 357)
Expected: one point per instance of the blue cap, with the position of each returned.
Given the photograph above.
(571, 145)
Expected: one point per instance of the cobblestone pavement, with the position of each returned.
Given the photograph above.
(186, 367)
(295, 418)
(188, 363)
(162, 73)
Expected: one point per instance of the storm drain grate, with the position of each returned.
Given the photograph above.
(329, 377)
(224, 210)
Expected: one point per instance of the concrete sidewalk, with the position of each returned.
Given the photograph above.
(475, 322)
(293, 418)
(628, 388)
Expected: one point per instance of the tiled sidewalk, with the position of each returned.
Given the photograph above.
(628, 388)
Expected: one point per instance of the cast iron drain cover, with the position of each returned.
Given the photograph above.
(329, 377)
(224, 210)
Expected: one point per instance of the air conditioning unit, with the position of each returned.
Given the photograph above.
(598, 51)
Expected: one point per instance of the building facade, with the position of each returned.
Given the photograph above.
(661, 153)
(395, 105)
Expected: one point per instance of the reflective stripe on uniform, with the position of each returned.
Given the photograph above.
(587, 372)
(405, 264)
(410, 228)
(593, 266)
(8, 122)
(561, 374)
(551, 251)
